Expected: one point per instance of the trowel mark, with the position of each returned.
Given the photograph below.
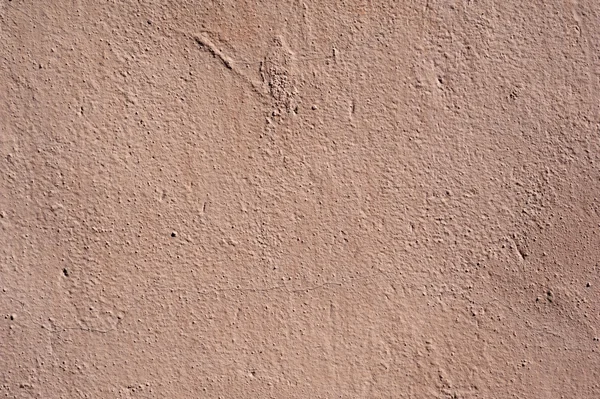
(520, 251)
(278, 70)
(206, 44)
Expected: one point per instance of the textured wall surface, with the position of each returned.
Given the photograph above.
(300, 199)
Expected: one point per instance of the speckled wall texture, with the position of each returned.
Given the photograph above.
(300, 199)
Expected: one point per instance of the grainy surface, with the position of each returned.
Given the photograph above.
(300, 199)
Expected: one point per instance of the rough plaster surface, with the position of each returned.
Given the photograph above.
(300, 199)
